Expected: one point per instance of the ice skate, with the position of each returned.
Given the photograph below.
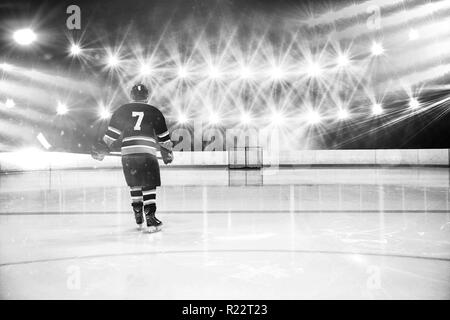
(138, 215)
(153, 223)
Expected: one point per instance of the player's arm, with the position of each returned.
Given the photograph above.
(113, 132)
(163, 136)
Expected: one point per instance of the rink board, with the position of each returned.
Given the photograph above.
(32, 160)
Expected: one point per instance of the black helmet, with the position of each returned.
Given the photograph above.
(139, 92)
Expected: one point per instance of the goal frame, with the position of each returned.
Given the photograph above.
(246, 158)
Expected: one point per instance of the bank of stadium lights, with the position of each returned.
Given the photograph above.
(414, 103)
(24, 37)
(377, 49)
(9, 103)
(61, 109)
(377, 109)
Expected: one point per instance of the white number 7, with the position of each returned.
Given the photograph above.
(140, 116)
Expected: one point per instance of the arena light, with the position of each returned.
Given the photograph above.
(9, 103)
(182, 73)
(314, 70)
(145, 69)
(75, 50)
(414, 103)
(377, 49)
(377, 109)
(182, 118)
(313, 117)
(24, 37)
(113, 61)
(104, 113)
(277, 118)
(61, 109)
(245, 118)
(276, 73)
(245, 73)
(214, 72)
(343, 60)
(214, 118)
(343, 114)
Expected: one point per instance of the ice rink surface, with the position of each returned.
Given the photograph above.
(365, 233)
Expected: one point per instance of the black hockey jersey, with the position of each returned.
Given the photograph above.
(141, 127)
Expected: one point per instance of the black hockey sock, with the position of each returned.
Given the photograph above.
(149, 196)
(136, 196)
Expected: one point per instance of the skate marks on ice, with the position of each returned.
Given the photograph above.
(222, 275)
(309, 234)
(236, 255)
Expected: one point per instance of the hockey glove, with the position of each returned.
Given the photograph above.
(99, 150)
(166, 152)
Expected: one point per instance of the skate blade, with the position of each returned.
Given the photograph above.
(139, 227)
(153, 229)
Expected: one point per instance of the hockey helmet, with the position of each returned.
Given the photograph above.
(139, 92)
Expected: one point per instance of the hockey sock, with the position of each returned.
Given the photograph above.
(149, 196)
(136, 196)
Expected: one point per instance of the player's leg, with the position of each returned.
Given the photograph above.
(130, 163)
(151, 180)
(138, 204)
(149, 197)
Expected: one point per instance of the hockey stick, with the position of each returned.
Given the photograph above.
(101, 150)
(119, 154)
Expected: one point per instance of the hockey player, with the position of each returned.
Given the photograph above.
(140, 127)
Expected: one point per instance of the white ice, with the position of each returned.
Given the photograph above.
(289, 234)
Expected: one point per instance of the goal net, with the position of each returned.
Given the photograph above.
(245, 158)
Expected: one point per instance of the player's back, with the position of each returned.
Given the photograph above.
(141, 126)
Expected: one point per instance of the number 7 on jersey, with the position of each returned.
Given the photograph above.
(140, 116)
